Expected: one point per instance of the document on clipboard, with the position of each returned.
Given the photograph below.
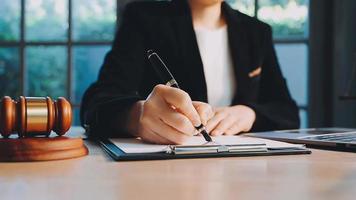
(198, 145)
(134, 149)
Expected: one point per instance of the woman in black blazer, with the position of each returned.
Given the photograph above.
(128, 100)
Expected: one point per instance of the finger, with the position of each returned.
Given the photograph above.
(213, 122)
(171, 134)
(148, 135)
(236, 128)
(180, 100)
(223, 126)
(204, 110)
(152, 137)
(178, 121)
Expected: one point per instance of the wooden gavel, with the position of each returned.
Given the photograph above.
(30, 116)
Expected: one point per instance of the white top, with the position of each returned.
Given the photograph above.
(218, 68)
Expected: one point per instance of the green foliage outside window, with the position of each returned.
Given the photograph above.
(94, 20)
(47, 21)
(46, 71)
(288, 18)
(9, 72)
(9, 20)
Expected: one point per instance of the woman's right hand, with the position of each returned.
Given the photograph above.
(167, 116)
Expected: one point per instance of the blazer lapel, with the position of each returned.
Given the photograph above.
(239, 49)
(191, 66)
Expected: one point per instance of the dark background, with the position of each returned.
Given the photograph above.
(332, 57)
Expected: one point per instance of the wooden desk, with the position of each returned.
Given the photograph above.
(321, 175)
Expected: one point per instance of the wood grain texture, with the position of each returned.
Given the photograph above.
(322, 175)
(41, 149)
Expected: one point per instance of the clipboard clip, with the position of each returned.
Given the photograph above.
(214, 149)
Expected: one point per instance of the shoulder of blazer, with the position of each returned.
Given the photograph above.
(148, 8)
(248, 22)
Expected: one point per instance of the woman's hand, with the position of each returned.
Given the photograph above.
(231, 120)
(167, 116)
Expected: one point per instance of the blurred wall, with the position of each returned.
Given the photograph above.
(343, 52)
(333, 43)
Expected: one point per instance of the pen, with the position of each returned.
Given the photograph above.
(166, 76)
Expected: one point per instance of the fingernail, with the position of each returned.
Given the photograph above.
(195, 132)
(197, 123)
(200, 124)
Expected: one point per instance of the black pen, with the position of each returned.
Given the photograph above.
(166, 76)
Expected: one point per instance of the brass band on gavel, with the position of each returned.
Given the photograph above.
(31, 116)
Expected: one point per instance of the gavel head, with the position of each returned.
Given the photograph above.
(34, 116)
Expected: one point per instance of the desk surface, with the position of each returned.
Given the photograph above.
(321, 175)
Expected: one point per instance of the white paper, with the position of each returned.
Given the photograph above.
(132, 145)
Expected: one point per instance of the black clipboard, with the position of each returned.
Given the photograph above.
(118, 155)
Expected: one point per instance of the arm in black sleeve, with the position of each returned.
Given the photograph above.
(106, 103)
(275, 109)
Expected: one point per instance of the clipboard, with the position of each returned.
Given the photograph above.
(119, 155)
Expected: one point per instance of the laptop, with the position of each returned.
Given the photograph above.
(342, 139)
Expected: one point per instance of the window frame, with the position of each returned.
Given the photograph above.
(69, 44)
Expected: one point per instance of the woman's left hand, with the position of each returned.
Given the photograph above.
(231, 120)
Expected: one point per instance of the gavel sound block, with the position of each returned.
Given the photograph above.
(33, 119)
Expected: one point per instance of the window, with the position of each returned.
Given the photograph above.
(289, 20)
(54, 47)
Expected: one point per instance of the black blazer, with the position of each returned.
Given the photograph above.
(166, 26)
